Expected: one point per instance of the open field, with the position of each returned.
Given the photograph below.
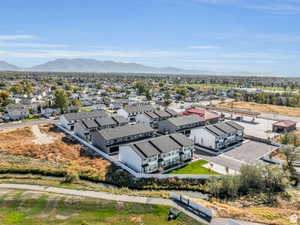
(48, 148)
(219, 86)
(195, 168)
(37, 208)
(266, 108)
(252, 210)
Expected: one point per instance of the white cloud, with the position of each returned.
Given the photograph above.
(30, 45)
(57, 53)
(276, 6)
(18, 37)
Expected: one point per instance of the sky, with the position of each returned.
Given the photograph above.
(210, 35)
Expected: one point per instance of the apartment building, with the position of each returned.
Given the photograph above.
(84, 128)
(68, 120)
(110, 139)
(152, 118)
(181, 124)
(131, 111)
(218, 136)
(157, 153)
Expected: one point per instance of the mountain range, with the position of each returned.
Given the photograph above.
(92, 65)
(6, 66)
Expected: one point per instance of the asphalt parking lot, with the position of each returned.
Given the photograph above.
(249, 152)
(262, 128)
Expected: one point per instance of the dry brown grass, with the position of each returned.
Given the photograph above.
(274, 109)
(279, 215)
(20, 142)
(16, 135)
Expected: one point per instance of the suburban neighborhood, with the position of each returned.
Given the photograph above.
(150, 133)
(150, 112)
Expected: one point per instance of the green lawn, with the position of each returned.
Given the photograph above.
(86, 109)
(37, 208)
(195, 168)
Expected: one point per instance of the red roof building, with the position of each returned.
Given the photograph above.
(284, 126)
(208, 116)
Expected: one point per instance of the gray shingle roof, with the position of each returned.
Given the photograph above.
(85, 115)
(138, 108)
(172, 112)
(124, 131)
(105, 121)
(225, 127)
(185, 120)
(181, 139)
(164, 144)
(162, 113)
(152, 115)
(89, 124)
(120, 119)
(215, 130)
(235, 125)
(161, 144)
(146, 149)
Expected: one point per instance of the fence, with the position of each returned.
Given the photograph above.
(128, 169)
(263, 140)
(194, 207)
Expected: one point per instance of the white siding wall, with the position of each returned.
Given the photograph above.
(130, 158)
(203, 137)
(171, 157)
(64, 122)
(122, 112)
(143, 119)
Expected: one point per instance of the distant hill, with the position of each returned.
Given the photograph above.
(92, 65)
(4, 66)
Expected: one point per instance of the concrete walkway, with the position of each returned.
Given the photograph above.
(115, 197)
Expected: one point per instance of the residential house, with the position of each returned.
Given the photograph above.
(17, 111)
(83, 128)
(180, 124)
(131, 111)
(109, 139)
(157, 153)
(68, 120)
(218, 136)
(152, 118)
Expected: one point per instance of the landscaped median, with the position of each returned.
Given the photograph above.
(195, 168)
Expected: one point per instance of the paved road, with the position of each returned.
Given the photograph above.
(114, 197)
(280, 117)
(24, 124)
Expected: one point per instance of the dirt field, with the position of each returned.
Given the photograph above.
(45, 143)
(279, 215)
(266, 108)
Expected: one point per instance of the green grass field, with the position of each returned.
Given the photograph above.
(37, 208)
(195, 168)
(218, 86)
